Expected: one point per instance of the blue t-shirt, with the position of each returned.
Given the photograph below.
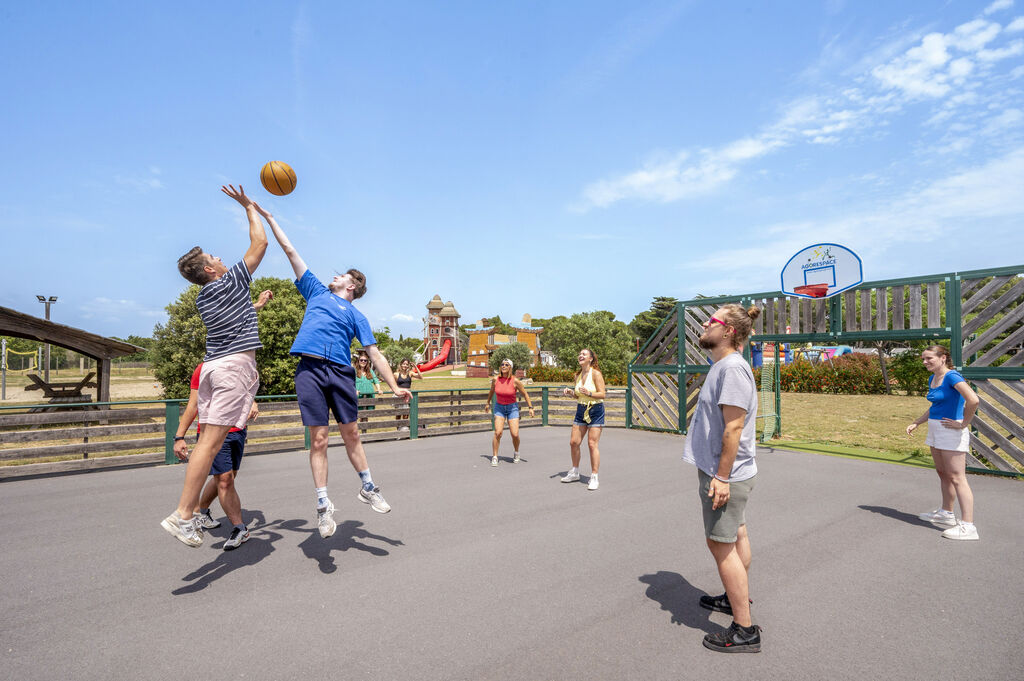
(329, 324)
(227, 311)
(947, 403)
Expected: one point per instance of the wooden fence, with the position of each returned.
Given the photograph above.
(108, 435)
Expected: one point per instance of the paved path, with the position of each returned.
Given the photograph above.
(505, 573)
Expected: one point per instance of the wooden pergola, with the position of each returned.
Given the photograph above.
(99, 348)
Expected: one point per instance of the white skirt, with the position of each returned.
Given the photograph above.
(942, 437)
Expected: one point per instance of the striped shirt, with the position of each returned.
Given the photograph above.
(225, 307)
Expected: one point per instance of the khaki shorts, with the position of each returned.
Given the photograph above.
(723, 523)
(227, 386)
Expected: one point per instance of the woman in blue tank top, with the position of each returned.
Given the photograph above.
(949, 417)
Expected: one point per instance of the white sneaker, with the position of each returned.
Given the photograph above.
(962, 532)
(939, 517)
(572, 476)
(237, 538)
(325, 520)
(494, 461)
(206, 520)
(375, 499)
(516, 459)
(593, 482)
(188, 532)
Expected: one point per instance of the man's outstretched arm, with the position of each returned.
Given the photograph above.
(298, 264)
(257, 236)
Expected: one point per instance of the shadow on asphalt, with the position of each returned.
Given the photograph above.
(681, 599)
(260, 545)
(898, 515)
(346, 537)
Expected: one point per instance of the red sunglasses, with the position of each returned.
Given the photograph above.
(715, 320)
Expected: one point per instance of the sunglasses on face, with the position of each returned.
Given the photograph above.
(713, 320)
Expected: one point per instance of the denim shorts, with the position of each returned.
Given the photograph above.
(229, 458)
(508, 411)
(596, 415)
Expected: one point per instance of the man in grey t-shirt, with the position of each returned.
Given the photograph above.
(720, 442)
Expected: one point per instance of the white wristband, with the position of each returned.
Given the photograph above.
(725, 480)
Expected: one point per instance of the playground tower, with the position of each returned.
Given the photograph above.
(441, 324)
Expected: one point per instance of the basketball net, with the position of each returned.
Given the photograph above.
(767, 397)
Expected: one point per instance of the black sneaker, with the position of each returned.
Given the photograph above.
(717, 603)
(236, 539)
(734, 640)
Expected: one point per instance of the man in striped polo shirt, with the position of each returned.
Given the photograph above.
(228, 380)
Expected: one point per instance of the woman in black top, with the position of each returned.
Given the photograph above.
(403, 377)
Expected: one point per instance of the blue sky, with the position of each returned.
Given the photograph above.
(541, 157)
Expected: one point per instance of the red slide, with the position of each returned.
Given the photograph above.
(441, 357)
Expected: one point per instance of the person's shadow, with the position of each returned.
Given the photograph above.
(260, 545)
(346, 537)
(681, 599)
(899, 515)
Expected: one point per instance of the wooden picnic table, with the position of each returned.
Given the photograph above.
(68, 392)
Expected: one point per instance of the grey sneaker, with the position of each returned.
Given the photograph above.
(325, 520)
(939, 517)
(206, 520)
(516, 459)
(237, 538)
(572, 476)
(374, 499)
(186, 531)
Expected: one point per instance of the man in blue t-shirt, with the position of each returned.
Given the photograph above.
(228, 381)
(325, 379)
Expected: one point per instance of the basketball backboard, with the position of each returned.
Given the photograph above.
(822, 271)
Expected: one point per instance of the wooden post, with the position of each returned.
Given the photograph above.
(102, 379)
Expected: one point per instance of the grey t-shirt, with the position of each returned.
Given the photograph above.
(730, 382)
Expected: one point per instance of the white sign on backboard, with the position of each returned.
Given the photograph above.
(821, 271)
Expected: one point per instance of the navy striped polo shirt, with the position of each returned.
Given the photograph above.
(225, 307)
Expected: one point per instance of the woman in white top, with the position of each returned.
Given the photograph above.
(589, 420)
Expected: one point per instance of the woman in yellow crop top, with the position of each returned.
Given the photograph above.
(589, 421)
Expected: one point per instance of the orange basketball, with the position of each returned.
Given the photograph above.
(278, 178)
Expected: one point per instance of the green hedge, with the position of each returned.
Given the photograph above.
(854, 374)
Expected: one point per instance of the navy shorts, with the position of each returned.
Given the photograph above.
(508, 411)
(596, 415)
(323, 386)
(229, 458)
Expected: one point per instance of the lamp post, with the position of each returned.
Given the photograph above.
(47, 302)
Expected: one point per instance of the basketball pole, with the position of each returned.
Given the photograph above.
(3, 369)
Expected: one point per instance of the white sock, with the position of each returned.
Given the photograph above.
(321, 497)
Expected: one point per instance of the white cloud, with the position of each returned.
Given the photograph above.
(142, 184)
(1006, 120)
(998, 6)
(950, 69)
(118, 310)
(400, 317)
(1015, 26)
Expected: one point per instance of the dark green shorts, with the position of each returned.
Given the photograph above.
(723, 523)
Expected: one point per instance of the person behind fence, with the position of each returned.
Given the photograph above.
(720, 442)
(229, 379)
(403, 377)
(367, 383)
(589, 420)
(224, 470)
(506, 409)
(953, 405)
(324, 378)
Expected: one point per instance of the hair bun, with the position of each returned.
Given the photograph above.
(753, 312)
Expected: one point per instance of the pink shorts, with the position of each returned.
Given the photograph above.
(227, 386)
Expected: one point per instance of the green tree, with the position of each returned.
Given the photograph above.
(179, 345)
(519, 353)
(395, 353)
(647, 322)
(609, 339)
(142, 342)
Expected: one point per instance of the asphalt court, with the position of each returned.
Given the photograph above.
(505, 573)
